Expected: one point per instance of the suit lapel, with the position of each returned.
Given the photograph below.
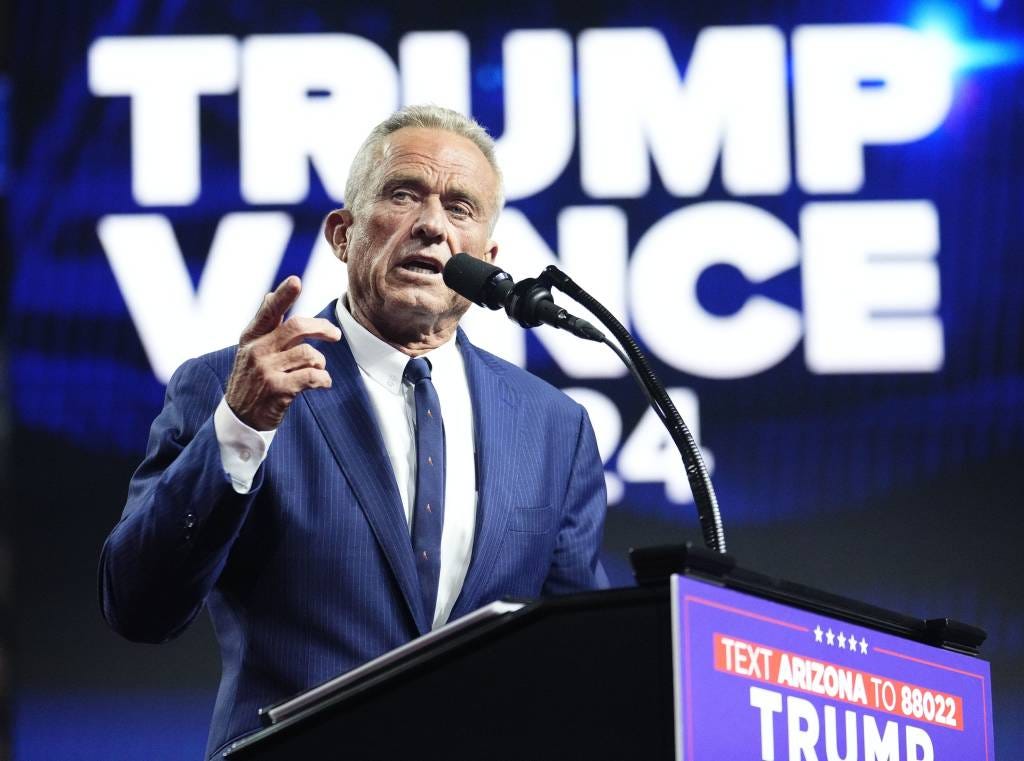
(495, 412)
(346, 420)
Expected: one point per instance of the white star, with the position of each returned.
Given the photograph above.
(842, 640)
(830, 637)
(863, 646)
(817, 633)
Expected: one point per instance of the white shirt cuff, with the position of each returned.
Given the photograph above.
(242, 449)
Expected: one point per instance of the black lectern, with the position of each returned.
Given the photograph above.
(587, 676)
(582, 677)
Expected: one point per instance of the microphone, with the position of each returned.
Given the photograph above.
(527, 302)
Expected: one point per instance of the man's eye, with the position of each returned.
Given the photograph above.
(459, 210)
(401, 195)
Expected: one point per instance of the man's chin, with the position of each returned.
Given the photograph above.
(416, 310)
(432, 297)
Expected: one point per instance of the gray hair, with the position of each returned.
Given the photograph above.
(425, 116)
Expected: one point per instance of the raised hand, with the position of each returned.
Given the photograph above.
(273, 363)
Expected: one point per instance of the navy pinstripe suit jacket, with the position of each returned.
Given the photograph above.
(312, 572)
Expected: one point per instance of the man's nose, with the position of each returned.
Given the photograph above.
(430, 222)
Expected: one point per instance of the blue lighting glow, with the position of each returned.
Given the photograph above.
(945, 24)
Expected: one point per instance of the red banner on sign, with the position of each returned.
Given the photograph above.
(842, 683)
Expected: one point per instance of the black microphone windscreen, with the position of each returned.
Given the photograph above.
(475, 279)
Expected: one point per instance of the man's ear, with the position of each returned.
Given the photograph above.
(336, 228)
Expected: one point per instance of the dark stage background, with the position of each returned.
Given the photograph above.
(809, 213)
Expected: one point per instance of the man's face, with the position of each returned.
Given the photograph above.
(432, 196)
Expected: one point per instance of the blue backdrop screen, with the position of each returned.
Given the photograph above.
(807, 213)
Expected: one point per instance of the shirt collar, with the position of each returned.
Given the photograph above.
(382, 361)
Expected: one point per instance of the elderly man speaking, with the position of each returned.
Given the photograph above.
(335, 486)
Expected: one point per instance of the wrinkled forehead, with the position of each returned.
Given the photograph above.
(436, 155)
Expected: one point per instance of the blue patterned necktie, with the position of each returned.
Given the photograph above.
(428, 507)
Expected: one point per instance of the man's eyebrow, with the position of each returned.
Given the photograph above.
(461, 194)
(418, 183)
(403, 179)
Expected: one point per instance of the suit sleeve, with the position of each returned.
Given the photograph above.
(576, 565)
(181, 518)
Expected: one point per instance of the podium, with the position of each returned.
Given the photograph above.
(621, 674)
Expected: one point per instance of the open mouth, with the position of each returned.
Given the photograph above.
(422, 266)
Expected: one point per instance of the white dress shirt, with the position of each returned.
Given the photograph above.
(382, 366)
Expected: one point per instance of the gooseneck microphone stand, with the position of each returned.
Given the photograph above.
(539, 288)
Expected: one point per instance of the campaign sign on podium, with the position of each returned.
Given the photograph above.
(761, 681)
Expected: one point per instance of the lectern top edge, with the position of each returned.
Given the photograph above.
(653, 566)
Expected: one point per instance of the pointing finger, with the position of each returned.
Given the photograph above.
(273, 308)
